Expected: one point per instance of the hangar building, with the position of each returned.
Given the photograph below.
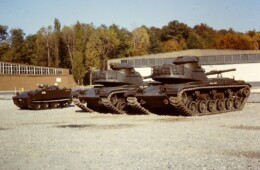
(246, 62)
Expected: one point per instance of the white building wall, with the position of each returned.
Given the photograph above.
(248, 72)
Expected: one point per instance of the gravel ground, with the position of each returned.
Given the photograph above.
(71, 139)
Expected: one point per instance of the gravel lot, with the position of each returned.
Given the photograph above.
(71, 139)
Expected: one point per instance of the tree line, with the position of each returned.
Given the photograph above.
(84, 47)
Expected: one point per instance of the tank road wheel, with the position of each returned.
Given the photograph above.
(64, 104)
(202, 106)
(114, 99)
(237, 102)
(36, 106)
(45, 105)
(54, 105)
(192, 106)
(229, 103)
(221, 104)
(212, 106)
(121, 104)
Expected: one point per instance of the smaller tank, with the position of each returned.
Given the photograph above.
(44, 97)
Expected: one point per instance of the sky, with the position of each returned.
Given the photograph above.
(31, 15)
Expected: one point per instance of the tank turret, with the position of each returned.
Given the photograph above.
(121, 74)
(183, 70)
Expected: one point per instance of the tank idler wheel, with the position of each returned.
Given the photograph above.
(64, 104)
(202, 106)
(192, 106)
(45, 105)
(212, 106)
(121, 104)
(229, 103)
(54, 105)
(237, 102)
(36, 106)
(246, 91)
(221, 104)
(114, 99)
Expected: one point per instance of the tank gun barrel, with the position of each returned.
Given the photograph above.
(219, 71)
(147, 77)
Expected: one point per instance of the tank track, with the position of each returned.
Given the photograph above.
(81, 105)
(183, 109)
(132, 101)
(106, 101)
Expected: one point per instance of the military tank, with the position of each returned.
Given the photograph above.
(185, 89)
(44, 97)
(108, 93)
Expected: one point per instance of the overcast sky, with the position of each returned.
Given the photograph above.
(31, 15)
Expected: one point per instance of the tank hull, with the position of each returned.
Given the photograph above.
(193, 100)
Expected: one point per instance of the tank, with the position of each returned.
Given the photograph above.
(184, 88)
(45, 97)
(108, 93)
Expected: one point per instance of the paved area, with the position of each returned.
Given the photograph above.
(70, 139)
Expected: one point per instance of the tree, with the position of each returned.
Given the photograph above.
(30, 45)
(124, 47)
(4, 44)
(18, 50)
(78, 69)
(237, 41)
(170, 45)
(207, 35)
(3, 33)
(56, 25)
(46, 46)
(194, 41)
(141, 41)
(68, 36)
(256, 39)
(155, 40)
(175, 30)
(100, 47)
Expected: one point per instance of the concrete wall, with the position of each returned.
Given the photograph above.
(29, 82)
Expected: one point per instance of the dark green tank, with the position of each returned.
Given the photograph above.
(44, 97)
(108, 95)
(184, 88)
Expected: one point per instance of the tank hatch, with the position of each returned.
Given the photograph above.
(186, 59)
(119, 66)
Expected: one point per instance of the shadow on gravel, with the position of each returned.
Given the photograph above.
(3, 128)
(172, 119)
(5, 99)
(246, 154)
(93, 126)
(246, 127)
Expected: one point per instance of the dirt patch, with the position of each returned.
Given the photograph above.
(246, 127)
(94, 126)
(246, 154)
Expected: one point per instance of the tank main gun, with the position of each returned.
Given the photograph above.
(218, 72)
